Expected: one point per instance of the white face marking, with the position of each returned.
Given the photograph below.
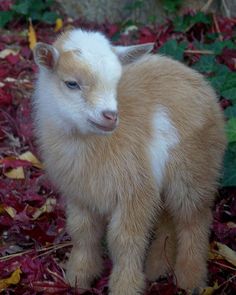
(72, 110)
(165, 137)
(96, 51)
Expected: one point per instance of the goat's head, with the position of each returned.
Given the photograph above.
(78, 79)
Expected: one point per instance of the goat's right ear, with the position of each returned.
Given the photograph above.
(45, 55)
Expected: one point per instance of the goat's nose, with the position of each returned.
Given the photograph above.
(110, 115)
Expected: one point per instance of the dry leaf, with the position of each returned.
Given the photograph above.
(11, 211)
(6, 52)
(227, 253)
(231, 224)
(28, 156)
(59, 24)
(46, 208)
(210, 290)
(16, 173)
(31, 36)
(1, 208)
(12, 280)
(213, 254)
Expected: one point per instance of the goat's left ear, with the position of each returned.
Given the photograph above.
(45, 55)
(128, 54)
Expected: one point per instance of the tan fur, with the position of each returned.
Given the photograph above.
(108, 180)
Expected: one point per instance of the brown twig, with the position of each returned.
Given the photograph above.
(223, 265)
(227, 281)
(217, 27)
(43, 249)
(210, 52)
(206, 6)
(226, 9)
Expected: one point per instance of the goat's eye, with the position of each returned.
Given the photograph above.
(72, 84)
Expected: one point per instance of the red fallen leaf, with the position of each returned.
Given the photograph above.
(5, 5)
(5, 98)
(228, 57)
(9, 162)
(111, 30)
(3, 71)
(13, 59)
(224, 103)
(226, 26)
(162, 288)
(147, 35)
(49, 287)
(163, 34)
(23, 119)
(25, 52)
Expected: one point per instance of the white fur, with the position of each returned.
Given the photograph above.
(95, 50)
(165, 137)
(70, 109)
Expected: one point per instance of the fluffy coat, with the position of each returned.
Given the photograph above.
(155, 173)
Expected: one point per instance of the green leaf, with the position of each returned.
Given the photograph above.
(228, 89)
(184, 23)
(22, 7)
(171, 6)
(218, 74)
(173, 49)
(212, 36)
(205, 64)
(229, 174)
(216, 47)
(231, 130)
(49, 17)
(38, 6)
(35, 15)
(230, 111)
(5, 17)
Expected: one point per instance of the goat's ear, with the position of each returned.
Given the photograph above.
(128, 54)
(45, 55)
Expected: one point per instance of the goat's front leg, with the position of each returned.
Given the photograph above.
(85, 262)
(128, 236)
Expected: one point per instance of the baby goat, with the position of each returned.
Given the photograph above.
(134, 141)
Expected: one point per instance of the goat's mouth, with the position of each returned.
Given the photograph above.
(103, 127)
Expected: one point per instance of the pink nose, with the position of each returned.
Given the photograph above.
(110, 116)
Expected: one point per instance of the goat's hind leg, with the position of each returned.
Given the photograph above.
(192, 218)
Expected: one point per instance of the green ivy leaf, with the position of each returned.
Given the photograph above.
(228, 89)
(229, 173)
(219, 75)
(206, 64)
(230, 111)
(36, 15)
(184, 23)
(174, 49)
(171, 6)
(216, 47)
(22, 7)
(38, 6)
(49, 17)
(5, 17)
(231, 130)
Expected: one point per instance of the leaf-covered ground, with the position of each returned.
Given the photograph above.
(33, 243)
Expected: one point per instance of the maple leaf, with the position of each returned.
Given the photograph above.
(12, 280)
(31, 35)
